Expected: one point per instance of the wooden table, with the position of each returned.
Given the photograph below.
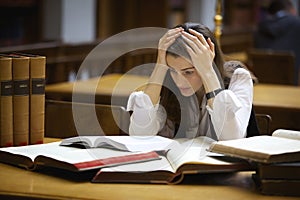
(109, 89)
(19, 183)
(277, 96)
(282, 102)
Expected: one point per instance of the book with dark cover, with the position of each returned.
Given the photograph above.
(288, 171)
(281, 187)
(6, 102)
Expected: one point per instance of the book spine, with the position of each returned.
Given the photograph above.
(20, 68)
(6, 102)
(37, 99)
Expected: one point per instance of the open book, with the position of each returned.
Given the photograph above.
(282, 146)
(122, 143)
(185, 156)
(69, 158)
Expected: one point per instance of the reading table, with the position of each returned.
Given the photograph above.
(279, 101)
(120, 86)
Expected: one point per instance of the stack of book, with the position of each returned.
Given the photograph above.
(277, 160)
(22, 99)
(278, 178)
(281, 178)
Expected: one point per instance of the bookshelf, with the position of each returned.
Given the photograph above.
(20, 22)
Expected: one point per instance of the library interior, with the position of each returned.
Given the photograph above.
(68, 69)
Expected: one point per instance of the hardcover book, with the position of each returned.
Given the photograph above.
(287, 170)
(6, 102)
(20, 69)
(37, 99)
(282, 146)
(281, 187)
(127, 158)
(72, 159)
(184, 156)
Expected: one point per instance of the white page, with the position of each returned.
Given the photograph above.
(287, 134)
(143, 143)
(94, 142)
(129, 143)
(63, 153)
(260, 144)
(194, 150)
(154, 165)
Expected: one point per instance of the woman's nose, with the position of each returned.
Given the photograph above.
(180, 80)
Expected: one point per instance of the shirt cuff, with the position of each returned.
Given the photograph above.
(225, 101)
(142, 107)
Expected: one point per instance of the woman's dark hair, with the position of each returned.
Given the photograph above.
(278, 5)
(179, 45)
(170, 95)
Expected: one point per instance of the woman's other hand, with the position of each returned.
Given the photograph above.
(165, 41)
(202, 51)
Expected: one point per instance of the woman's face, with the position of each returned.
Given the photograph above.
(184, 75)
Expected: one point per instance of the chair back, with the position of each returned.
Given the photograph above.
(60, 120)
(274, 67)
(264, 123)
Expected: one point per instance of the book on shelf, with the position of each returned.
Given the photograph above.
(37, 98)
(184, 156)
(20, 74)
(54, 155)
(281, 146)
(6, 102)
(27, 72)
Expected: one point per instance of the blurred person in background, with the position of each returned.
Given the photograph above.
(280, 30)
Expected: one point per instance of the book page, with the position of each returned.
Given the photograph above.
(30, 151)
(192, 151)
(155, 165)
(93, 142)
(143, 143)
(287, 134)
(66, 154)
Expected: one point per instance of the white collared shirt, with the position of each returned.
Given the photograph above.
(230, 114)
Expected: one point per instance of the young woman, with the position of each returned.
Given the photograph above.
(191, 91)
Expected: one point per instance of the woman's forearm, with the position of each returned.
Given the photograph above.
(155, 82)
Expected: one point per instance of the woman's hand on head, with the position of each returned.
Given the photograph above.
(165, 41)
(202, 51)
(202, 54)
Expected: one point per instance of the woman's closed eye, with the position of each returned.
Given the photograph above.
(189, 72)
(184, 72)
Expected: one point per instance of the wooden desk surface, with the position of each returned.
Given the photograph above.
(17, 182)
(266, 95)
(279, 96)
(116, 85)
